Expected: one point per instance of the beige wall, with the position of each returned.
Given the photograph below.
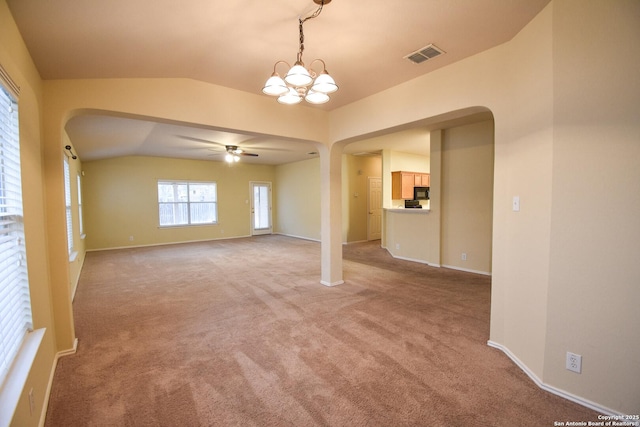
(594, 273)
(408, 234)
(15, 59)
(565, 268)
(467, 197)
(121, 199)
(514, 81)
(356, 171)
(551, 131)
(461, 201)
(298, 199)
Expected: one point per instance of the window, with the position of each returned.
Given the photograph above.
(187, 203)
(67, 202)
(80, 223)
(15, 304)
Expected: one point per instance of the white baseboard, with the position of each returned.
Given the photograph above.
(45, 406)
(339, 282)
(558, 392)
(165, 244)
(467, 270)
(420, 261)
(298, 237)
(356, 241)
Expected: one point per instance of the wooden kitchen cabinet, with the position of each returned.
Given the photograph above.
(424, 180)
(402, 183)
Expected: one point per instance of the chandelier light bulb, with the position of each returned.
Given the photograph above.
(298, 75)
(324, 83)
(290, 98)
(314, 97)
(275, 85)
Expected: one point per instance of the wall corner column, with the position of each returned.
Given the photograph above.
(53, 125)
(331, 215)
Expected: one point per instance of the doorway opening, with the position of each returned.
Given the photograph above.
(374, 223)
(261, 221)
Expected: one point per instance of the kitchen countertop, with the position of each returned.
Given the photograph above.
(407, 210)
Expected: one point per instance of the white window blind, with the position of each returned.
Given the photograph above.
(187, 203)
(80, 223)
(67, 202)
(15, 304)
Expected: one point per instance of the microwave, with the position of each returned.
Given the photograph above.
(420, 193)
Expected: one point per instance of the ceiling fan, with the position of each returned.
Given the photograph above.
(234, 153)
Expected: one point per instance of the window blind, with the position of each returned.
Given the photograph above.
(15, 304)
(67, 202)
(80, 223)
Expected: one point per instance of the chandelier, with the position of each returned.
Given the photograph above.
(299, 82)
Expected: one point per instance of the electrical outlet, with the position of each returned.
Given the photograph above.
(397, 246)
(131, 238)
(464, 256)
(574, 362)
(516, 203)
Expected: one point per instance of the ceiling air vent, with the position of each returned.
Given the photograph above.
(424, 54)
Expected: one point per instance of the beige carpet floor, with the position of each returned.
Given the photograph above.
(241, 333)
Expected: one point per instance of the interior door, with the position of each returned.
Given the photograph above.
(260, 208)
(375, 209)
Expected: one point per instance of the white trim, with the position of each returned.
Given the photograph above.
(204, 224)
(188, 182)
(358, 241)
(260, 231)
(419, 261)
(369, 178)
(165, 244)
(54, 366)
(298, 237)
(558, 392)
(11, 85)
(16, 379)
(467, 270)
(329, 284)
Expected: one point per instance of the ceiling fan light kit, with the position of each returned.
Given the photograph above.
(301, 83)
(234, 153)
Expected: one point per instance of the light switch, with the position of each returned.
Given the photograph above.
(516, 203)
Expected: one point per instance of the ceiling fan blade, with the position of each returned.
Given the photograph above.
(206, 141)
(248, 154)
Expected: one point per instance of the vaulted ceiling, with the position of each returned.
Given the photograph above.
(236, 43)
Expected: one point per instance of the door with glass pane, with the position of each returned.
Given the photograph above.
(260, 208)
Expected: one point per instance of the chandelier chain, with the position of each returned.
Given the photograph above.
(302, 82)
(301, 22)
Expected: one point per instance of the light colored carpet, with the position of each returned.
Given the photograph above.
(241, 333)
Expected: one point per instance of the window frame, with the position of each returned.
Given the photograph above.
(188, 202)
(19, 356)
(68, 205)
(80, 221)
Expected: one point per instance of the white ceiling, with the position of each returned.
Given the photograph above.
(236, 43)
